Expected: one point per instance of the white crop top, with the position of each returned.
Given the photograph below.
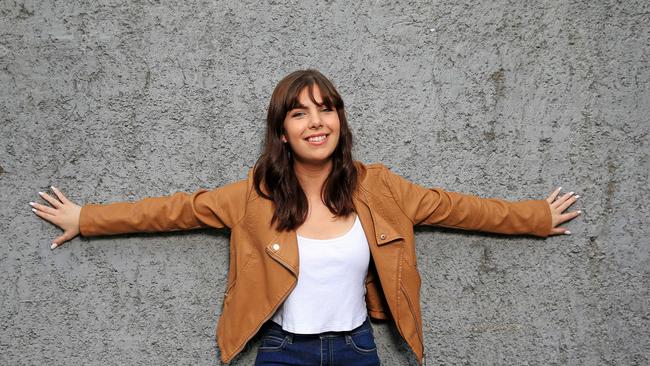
(330, 293)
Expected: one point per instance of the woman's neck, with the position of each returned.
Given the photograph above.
(312, 176)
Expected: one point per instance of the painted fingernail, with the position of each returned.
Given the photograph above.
(579, 212)
(32, 203)
(567, 232)
(33, 209)
(41, 193)
(559, 188)
(53, 246)
(570, 193)
(54, 189)
(577, 196)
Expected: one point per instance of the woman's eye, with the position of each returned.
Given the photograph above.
(327, 109)
(297, 114)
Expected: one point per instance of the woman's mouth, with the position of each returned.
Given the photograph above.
(317, 140)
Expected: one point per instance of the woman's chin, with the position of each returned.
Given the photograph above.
(314, 160)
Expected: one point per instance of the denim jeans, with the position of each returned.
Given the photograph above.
(350, 348)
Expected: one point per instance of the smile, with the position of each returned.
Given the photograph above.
(317, 140)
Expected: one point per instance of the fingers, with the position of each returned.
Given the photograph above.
(558, 205)
(54, 214)
(60, 195)
(51, 218)
(561, 200)
(560, 231)
(43, 208)
(553, 195)
(568, 202)
(570, 215)
(567, 216)
(60, 240)
(53, 201)
(45, 215)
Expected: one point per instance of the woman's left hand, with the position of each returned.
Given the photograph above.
(558, 206)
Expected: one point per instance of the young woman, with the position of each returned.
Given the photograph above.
(319, 242)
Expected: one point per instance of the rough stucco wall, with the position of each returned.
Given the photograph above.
(121, 100)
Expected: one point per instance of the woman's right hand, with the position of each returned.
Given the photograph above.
(64, 214)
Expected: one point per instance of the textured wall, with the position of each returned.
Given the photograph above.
(123, 100)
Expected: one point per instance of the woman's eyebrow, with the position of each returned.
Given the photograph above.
(301, 106)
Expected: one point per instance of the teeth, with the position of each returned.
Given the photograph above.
(317, 138)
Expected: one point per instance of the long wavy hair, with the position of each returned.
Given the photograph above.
(274, 168)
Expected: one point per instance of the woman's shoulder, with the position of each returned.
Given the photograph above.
(376, 176)
(369, 167)
(371, 174)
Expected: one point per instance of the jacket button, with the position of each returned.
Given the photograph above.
(382, 236)
(276, 246)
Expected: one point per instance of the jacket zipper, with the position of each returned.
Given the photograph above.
(415, 320)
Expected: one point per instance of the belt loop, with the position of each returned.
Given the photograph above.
(290, 338)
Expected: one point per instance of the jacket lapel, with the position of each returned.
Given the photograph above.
(284, 249)
(385, 241)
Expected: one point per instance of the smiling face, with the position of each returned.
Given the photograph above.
(312, 129)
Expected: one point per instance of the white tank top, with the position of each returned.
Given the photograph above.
(330, 293)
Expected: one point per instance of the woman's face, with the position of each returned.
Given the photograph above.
(312, 131)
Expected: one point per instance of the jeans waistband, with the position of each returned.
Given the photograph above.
(273, 327)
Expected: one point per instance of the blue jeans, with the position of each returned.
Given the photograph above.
(350, 348)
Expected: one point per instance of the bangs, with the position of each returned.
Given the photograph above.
(330, 97)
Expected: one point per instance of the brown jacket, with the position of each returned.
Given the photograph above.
(264, 262)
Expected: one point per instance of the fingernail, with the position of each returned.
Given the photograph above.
(53, 246)
(33, 209)
(41, 193)
(577, 196)
(559, 188)
(570, 193)
(53, 188)
(567, 232)
(32, 203)
(579, 212)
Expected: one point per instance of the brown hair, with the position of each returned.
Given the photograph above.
(274, 168)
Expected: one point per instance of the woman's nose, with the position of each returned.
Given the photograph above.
(315, 121)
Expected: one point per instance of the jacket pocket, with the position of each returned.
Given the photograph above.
(229, 290)
(249, 259)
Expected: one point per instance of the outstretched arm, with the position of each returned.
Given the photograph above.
(217, 208)
(435, 206)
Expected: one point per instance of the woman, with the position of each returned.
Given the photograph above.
(351, 223)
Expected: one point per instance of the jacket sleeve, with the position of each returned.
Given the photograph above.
(217, 208)
(435, 206)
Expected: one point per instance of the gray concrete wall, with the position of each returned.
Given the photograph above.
(121, 100)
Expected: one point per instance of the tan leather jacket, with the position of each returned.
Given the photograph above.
(264, 262)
